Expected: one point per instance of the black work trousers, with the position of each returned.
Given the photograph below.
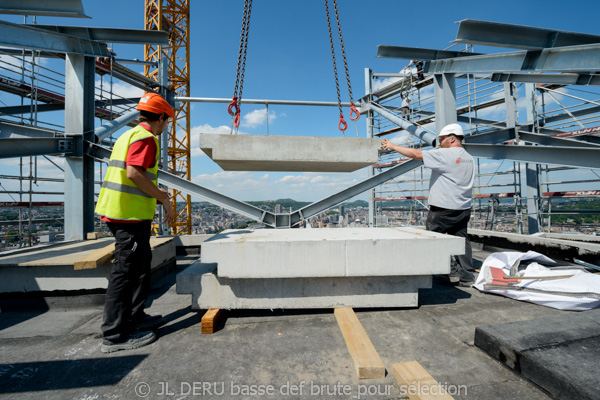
(454, 222)
(129, 281)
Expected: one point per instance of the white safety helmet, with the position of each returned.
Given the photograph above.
(452, 129)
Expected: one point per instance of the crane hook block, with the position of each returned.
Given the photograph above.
(233, 107)
(342, 125)
(354, 114)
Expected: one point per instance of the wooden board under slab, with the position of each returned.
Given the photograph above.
(366, 361)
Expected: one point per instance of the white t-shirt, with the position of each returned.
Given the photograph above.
(452, 176)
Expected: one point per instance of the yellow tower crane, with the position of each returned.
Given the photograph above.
(173, 16)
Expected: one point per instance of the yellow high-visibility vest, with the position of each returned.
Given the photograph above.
(119, 197)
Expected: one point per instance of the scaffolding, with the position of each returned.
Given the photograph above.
(499, 193)
(173, 16)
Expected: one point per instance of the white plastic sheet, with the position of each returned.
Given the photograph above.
(580, 291)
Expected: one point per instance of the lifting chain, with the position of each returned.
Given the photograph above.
(234, 107)
(342, 125)
(354, 114)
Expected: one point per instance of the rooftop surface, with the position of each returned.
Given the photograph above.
(54, 352)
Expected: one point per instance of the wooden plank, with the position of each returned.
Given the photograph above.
(93, 235)
(210, 320)
(96, 258)
(417, 383)
(105, 254)
(367, 362)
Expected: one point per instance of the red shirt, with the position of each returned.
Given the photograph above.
(140, 154)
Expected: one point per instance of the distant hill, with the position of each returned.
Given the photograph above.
(296, 205)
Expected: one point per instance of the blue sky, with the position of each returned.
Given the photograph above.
(289, 58)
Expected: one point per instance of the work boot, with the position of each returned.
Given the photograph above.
(134, 341)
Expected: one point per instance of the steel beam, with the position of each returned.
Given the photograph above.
(54, 8)
(414, 130)
(23, 147)
(498, 136)
(369, 183)
(16, 110)
(569, 156)
(576, 113)
(415, 53)
(557, 79)
(583, 58)
(553, 141)
(466, 119)
(518, 36)
(22, 36)
(14, 131)
(110, 35)
(104, 131)
(29, 109)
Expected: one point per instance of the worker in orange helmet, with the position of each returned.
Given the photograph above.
(127, 203)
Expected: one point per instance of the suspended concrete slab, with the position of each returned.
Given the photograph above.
(290, 153)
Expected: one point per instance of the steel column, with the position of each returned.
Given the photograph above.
(532, 176)
(445, 100)
(369, 122)
(79, 124)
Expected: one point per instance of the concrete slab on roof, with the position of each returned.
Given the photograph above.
(290, 153)
(51, 267)
(314, 253)
(211, 291)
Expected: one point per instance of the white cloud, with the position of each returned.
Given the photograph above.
(119, 90)
(308, 186)
(206, 128)
(378, 84)
(293, 179)
(257, 117)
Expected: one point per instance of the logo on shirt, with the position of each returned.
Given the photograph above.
(460, 160)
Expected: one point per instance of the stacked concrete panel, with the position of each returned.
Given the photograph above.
(317, 268)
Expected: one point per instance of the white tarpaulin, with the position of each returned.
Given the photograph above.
(578, 290)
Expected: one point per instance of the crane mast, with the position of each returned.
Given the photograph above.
(173, 16)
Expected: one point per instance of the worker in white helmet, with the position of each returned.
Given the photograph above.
(450, 192)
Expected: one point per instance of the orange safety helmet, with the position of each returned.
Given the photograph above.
(156, 104)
